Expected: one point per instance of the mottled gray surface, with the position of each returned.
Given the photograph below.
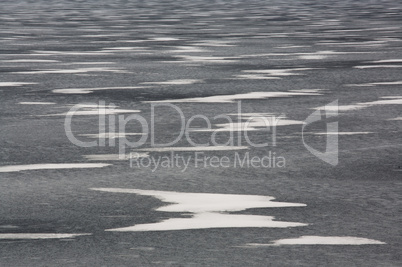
(360, 197)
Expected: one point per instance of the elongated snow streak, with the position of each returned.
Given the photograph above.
(38, 236)
(51, 166)
(90, 90)
(320, 240)
(385, 100)
(114, 157)
(252, 95)
(195, 148)
(36, 103)
(4, 84)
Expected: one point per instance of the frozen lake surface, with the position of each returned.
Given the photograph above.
(83, 82)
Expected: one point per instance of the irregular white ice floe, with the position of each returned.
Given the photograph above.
(280, 72)
(188, 49)
(38, 236)
(271, 73)
(194, 148)
(396, 100)
(72, 71)
(204, 59)
(100, 35)
(36, 103)
(292, 46)
(115, 157)
(93, 110)
(376, 83)
(252, 115)
(320, 240)
(51, 166)
(255, 124)
(217, 43)
(110, 135)
(91, 90)
(341, 133)
(176, 82)
(14, 83)
(341, 107)
(68, 53)
(252, 95)
(210, 220)
(355, 44)
(377, 66)
(30, 61)
(396, 119)
(208, 210)
(366, 29)
(313, 56)
(386, 100)
(143, 248)
(88, 63)
(387, 61)
(252, 122)
(164, 39)
(256, 77)
(126, 41)
(392, 97)
(126, 48)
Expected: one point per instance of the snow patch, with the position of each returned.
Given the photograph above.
(208, 210)
(51, 166)
(320, 240)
